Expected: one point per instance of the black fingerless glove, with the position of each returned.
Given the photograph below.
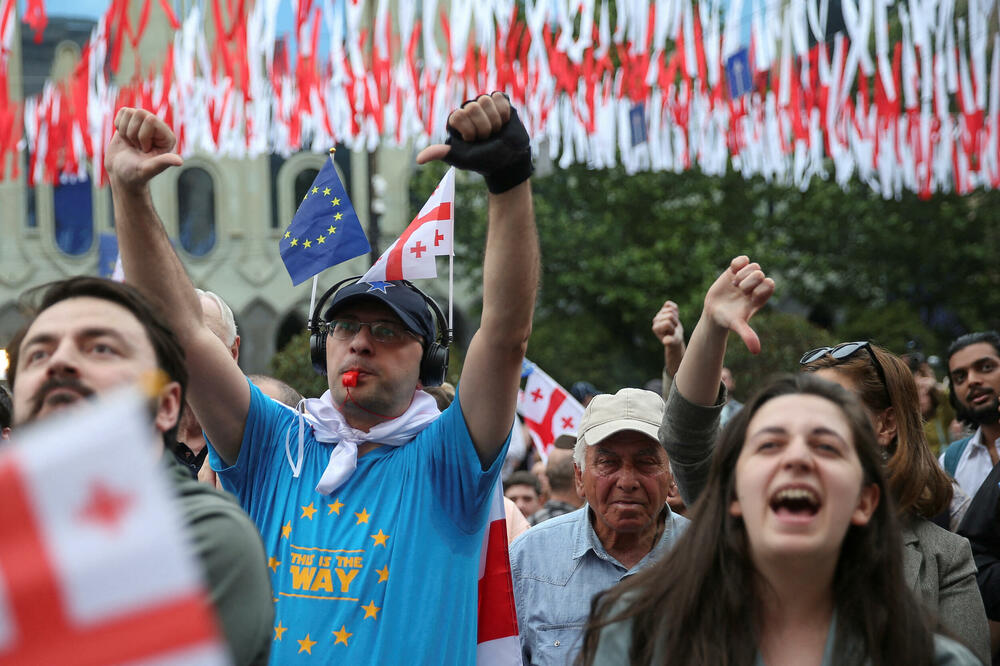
(504, 159)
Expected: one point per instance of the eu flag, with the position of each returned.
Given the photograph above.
(325, 230)
(107, 255)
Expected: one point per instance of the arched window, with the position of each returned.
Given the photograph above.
(303, 181)
(196, 210)
(73, 209)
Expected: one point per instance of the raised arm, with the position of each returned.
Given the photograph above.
(691, 416)
(493, 142)
(218, 392)
(669, 331)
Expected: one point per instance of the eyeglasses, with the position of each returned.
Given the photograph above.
(843, 351)
(386, 332)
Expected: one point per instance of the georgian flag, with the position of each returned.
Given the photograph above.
(498, 642)
(548, 410)
(429, 235)
(94, 565)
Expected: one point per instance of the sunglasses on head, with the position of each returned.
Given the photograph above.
(844, 351)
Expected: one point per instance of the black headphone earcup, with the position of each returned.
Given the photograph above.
(317, 351)
(434, 365)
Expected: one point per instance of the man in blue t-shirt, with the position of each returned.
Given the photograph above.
(372, 505)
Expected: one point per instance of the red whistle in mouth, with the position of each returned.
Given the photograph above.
(350, 378)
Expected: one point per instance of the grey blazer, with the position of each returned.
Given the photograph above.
(937, 564)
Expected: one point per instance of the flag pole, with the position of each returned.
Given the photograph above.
(451, 290)
(312, 300)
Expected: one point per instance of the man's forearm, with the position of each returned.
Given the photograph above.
(149, 260)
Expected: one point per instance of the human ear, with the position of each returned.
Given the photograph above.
(168, 407)
(578, 480)
(885, 427)
(867, 503)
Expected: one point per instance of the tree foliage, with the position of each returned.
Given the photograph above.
(848, 264)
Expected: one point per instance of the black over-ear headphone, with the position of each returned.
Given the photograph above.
(433, 363)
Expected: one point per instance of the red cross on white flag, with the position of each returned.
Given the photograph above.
(94, 566)
(548, 410)
(429, 235)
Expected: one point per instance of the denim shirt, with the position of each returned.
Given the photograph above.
(558, 567)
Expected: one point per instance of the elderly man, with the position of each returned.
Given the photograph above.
(559, 565)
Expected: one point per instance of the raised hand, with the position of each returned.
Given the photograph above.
(487, 137)
(667, 325)
(140, 148)
(736, 296)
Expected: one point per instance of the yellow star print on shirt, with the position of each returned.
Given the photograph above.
(380, 539)
(308, 511)
(335, 507)
(279, 630)
(371, 610)
(306, 645)
(286, 529)
(342, 635)
(362, 517)
(273, 564)
(383, 574)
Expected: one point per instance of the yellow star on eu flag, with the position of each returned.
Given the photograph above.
(288, 234)
(307, 244)
(338, 216)
(294, 242)
(331, 230)
(336, 201)
(321, 239)
(326, 191)
(315, 190)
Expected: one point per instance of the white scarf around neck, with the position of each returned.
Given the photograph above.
(329, 426)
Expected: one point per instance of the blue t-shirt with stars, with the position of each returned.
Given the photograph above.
(385, 570)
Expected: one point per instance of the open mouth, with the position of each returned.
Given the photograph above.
(795, 503)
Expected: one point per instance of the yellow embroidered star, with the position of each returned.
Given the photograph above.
(286, 529)
(362, 517)
(279, 630)
(335, 507)
(306, 645)
(308, 511)
(342, 635)
(371, 610)
(273, 564)
(383, 574)
(380, 538)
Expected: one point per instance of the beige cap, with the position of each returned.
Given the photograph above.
(629, 409)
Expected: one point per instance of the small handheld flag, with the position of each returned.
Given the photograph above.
(429, 235)
(325, 230)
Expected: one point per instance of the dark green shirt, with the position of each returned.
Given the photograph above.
(232, 557)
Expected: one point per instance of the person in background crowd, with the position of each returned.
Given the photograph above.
(277, 390)
(974, 372)
(89, 336)
(938, 564)
(561, 564)
(523, 489)
(6, 410)
(936, 412)
(732, 404)
(191, 450)
(584, 392)
(669, 331)
(559, 470)
(794, 554)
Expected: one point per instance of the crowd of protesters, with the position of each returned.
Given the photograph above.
(845, 513)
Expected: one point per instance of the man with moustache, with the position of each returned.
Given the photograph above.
(974, 371)
(90, 336)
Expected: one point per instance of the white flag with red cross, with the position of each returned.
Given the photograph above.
(548, 410)
(412, 255)
(94, 564)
